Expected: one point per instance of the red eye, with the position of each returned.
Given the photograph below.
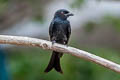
(62, 12)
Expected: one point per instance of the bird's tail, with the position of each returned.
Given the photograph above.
(54, 63)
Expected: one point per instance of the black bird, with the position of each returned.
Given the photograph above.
(59, 32)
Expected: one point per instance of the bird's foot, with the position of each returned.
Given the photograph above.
(66, 45)
(53, 42)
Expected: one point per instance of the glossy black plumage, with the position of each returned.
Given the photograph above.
(59, 32)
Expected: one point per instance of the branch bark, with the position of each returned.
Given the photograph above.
(47, 45)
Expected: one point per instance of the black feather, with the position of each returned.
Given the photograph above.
(59, 31)
(54, 63)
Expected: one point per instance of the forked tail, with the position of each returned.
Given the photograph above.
(54, 63)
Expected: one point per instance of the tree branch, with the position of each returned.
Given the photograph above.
(47, 45)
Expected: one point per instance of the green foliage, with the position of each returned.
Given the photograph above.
(3, 5)
(39, 18)
(77, 3)
(29, 64)
(114, 21)
(89, 27)
(3, 1)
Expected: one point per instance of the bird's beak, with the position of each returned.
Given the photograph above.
(69, 14)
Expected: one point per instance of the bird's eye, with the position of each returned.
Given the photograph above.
(62, 12)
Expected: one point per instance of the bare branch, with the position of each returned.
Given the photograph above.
(26, 41)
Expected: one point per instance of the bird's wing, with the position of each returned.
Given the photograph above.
(51, 29)
(68, 31)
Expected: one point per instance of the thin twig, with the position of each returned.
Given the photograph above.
(47, 45)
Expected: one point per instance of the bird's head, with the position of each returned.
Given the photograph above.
(62, 14)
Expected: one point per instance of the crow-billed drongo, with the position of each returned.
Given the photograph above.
(59, 32)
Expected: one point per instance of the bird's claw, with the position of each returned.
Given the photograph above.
(53, 42)
(66, 45)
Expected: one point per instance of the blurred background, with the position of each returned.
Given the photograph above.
(95, 28)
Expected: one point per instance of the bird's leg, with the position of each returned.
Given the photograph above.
(53, 42)
(66, 45)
